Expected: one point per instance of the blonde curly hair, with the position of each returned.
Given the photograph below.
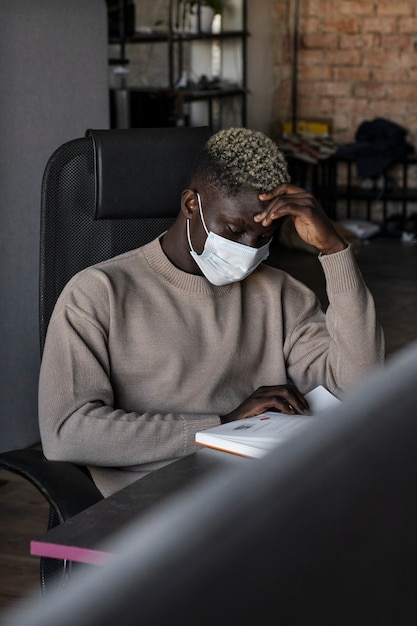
(238, 158)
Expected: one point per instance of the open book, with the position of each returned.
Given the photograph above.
(255, 436)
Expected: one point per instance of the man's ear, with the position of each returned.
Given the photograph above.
(189, 203)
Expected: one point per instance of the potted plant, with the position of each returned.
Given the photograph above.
(216, 5)
(207, 8)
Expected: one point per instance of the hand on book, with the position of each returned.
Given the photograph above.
(259, 434)
(283, 398)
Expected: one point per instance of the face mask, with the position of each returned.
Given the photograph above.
(224, 261)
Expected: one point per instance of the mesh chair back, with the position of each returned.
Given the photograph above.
(71, 237)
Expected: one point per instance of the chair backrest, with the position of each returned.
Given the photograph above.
(107, 193)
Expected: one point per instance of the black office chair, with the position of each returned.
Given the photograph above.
(103, 194)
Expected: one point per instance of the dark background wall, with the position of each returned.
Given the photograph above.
(54, 82)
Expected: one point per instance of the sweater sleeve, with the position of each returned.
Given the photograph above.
(79, 421)
(341, 347)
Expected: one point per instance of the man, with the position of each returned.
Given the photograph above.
(193, 330)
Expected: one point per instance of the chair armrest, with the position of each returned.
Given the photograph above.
(67, 488)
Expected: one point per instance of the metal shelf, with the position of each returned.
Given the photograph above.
(176, 40)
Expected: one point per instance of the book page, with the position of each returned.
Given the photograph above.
(267, 428)
(321, 399)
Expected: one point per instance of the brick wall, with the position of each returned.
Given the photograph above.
(357, 59)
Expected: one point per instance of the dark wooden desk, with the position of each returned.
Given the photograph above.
(81, 537)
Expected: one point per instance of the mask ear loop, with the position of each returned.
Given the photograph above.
(188, 235)
(201, 212)
(200, 208)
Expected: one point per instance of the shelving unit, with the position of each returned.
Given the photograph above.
(401, 193)
(190, 96)
(339, 198)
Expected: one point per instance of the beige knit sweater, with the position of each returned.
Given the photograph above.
(140, 355)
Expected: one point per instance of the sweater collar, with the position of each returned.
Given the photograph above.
(190, 283)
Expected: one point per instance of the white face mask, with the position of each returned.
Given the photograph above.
(224, 261)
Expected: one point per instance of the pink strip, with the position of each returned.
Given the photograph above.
(69, 553)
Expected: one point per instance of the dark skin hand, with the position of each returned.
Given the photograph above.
(282, 398)
(310, 221)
